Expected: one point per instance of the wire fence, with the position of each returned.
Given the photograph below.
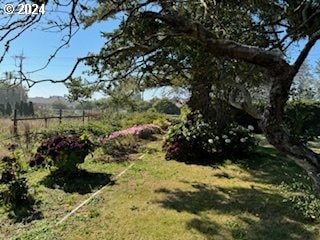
(59, 117)
(19, 127)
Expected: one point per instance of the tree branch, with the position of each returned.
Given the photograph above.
(304, 53)
(219, 47)
(246, 103)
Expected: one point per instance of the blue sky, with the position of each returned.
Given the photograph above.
(37, 46)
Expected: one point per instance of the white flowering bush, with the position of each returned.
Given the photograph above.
(233, 141)
(195, 140)
(184, 141)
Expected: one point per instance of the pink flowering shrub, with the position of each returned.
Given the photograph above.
(120, 147)
(142, 131)
(121, 143)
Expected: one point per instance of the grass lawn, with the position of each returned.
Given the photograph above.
(158, 199)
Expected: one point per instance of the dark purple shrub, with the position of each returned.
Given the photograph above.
(7, 175)
(63, 151)
(8, 160)
(13, 147)
(36, 160)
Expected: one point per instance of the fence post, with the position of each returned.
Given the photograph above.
(15, 123)
(60, 116)
(83, 115)
(45, 122)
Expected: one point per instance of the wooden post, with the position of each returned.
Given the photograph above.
(45, 122)
(15, 123)
(83, 115)
(60, 116)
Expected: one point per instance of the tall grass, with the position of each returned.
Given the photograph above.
(6, 125)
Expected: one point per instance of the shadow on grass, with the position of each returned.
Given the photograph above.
(204, 226)
(202, 159)
(268, 165)
(265, 165)
(260, 215)
(81, 182)
(25, 212)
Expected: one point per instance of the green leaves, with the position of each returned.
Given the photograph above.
(194, 140)
(80, 89)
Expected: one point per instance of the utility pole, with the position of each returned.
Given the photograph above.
(19, 63)
(21, 58)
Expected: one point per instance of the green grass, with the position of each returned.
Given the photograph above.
(55, 197)
(158, 199)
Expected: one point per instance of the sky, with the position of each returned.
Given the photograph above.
(37, 46)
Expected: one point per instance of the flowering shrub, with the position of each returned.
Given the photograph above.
(185, 140)
(195, 140)
(7, 175)
(142, 131)
(233, 141)
(63, 151)
(121, 143)
(119, 148)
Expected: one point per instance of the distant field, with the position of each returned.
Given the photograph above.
(26, 127)
(6, 125)
(159, 199)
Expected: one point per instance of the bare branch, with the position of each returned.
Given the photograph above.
(13, 26)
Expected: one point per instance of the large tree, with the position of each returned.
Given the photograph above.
(146, 34)
(162, 42)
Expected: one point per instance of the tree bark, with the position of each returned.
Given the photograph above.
(200, 99)
(272, 125)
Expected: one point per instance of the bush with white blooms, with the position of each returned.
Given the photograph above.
(194, 139)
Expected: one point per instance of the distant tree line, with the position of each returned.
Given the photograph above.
(163, 105)
(12, 94)
(23, 109)
(12, 98)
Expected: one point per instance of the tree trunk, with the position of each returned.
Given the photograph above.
(218, 111)
(272, 125)
(200, 99)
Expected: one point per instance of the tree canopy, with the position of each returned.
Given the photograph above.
(233, 44)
